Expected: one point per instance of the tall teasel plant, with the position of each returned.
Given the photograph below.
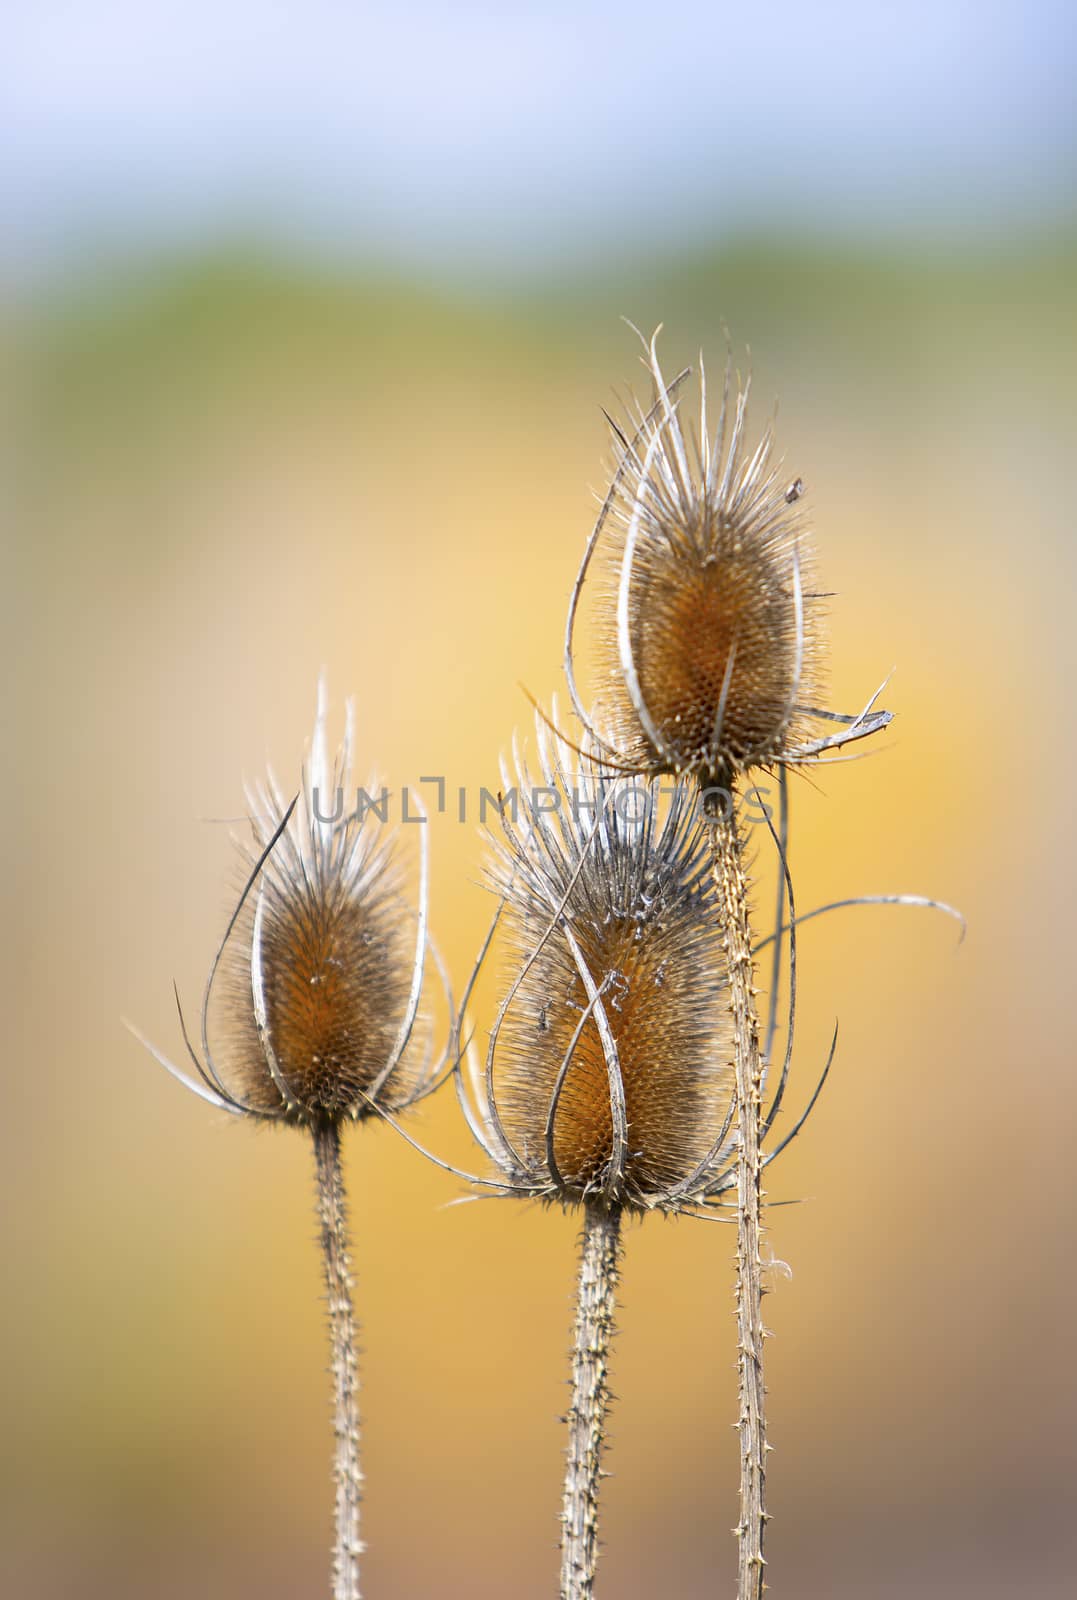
(606, 1081)
(312, 1016)
(707, 638)
(607, 1085)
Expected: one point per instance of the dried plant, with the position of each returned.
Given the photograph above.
(708, 645)
(626, 1070)
(709, 660)
(311, 1017)
(610, 1022)
(607, 1082)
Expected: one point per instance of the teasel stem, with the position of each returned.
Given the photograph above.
(332, 1216)
(731, 883)
(595, 1310)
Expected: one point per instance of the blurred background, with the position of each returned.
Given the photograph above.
(306, 321)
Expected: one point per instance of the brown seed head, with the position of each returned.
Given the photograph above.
(321, 973)
(707, 632)
(311, 1011)
(610, 1066)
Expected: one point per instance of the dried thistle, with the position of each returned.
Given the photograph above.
(607, 1076)
(708, 642)
(312, 1005)
(710, 665)
(609, 1064)
(607, 1082)
(607, 1079)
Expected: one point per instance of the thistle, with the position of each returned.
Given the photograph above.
(709, 659)
(608, 1067)
(311, 1016)
(607, 1082)
(708, 643)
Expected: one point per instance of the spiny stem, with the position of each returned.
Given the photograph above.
(752, 1419)
(332, 1215)
(599, 1257)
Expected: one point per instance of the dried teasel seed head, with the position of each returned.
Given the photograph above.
(321, 976)
(312, 1010)
(609, 1068)
(707, 632)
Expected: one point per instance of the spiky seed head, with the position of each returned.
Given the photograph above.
(615, 969)
(708, 635)
(315, 1016)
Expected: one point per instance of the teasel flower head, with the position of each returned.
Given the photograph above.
(312, 1010)
(707, 624)
(607, 1075)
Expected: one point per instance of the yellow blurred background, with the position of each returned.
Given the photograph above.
(234, 466)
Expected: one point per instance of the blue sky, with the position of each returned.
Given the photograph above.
(463, 135)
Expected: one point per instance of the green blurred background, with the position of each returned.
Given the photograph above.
(262, 422)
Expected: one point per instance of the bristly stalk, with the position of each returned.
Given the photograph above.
(731, 883)
(332, 1215)
(596, 1307)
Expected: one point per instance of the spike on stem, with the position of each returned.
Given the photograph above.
(333, 1220)
(596, 1306)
